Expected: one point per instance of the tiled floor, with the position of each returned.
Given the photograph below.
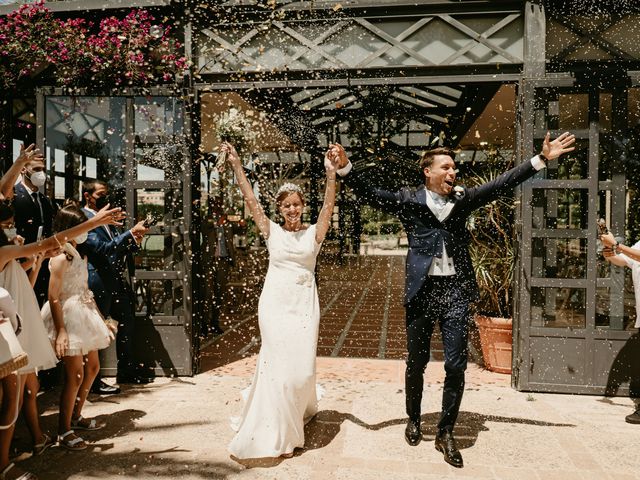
(361, 314)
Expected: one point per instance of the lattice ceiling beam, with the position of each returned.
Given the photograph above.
(393, 41)
(399, 38)
(592, 35)
(479, 37)
(229, 46)
(425, 94)
(482, 38)
(310, 44)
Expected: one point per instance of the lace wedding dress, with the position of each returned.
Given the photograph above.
(283, 393)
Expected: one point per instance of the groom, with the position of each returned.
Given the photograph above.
(439, 280)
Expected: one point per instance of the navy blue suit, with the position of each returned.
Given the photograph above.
(110, 264)
(28, 218)
(445, 299)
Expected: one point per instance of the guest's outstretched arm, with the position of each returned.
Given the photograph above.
(609, 241)
(324, 219)
(262, 221)
(611, 257)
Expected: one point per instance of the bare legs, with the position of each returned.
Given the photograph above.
(30, 407)
(80, 373)
(10, 393)
(91, 369)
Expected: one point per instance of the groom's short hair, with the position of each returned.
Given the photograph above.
(426, 160)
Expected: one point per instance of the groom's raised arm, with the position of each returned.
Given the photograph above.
(550, 151)
(376, 197)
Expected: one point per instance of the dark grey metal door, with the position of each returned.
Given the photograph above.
(138, 144)
(576, 312)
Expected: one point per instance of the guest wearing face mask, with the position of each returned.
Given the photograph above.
(32, 210)
(110, 255)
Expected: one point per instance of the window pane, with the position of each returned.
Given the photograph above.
(159, 297)
(558, 307)
(560, 209)
(574, 111)
(559, 257)
(616, 306)
(571, 166)
(91, 167)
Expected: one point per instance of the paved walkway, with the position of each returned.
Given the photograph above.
(178, 429)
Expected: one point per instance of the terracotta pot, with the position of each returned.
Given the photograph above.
(496, 341)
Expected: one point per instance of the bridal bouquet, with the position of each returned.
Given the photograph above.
(237, 129)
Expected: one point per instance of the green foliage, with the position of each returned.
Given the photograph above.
(134, 50)
(492, 250)
(376, 222)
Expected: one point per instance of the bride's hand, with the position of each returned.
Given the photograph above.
(231, 154)
(331, 161)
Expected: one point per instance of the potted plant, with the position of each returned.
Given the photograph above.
(492, 253)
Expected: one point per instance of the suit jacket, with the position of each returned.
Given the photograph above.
(27, 220)
(110, 260)
(426, 234)
(27, 214)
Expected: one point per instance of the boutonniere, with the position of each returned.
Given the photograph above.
(458, 192)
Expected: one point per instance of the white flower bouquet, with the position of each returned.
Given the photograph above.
(236, 128)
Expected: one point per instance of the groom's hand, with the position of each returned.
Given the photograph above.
(562, 144)
(338, 150)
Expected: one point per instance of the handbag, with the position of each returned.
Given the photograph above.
(12, 356)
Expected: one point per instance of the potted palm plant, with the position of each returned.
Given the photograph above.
(492, 254)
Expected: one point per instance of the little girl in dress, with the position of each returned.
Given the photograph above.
(76, 328)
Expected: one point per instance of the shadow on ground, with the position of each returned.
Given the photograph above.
(100, 461)
(326, 425)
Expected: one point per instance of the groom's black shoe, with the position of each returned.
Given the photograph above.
(412, 433)
(446, 444)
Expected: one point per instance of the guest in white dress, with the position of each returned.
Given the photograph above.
(76, 328)
(283, 393)
(33, 338)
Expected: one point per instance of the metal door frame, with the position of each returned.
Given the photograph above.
(187, 365)
(591, 335)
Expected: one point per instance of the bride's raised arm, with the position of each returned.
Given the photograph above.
(262, 221)
(324, 219)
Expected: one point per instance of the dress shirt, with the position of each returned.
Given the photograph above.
(35, 197)
(441, 208)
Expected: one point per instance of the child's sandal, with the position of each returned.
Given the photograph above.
(82, 423)
(39, 448)
(73, 444)
(11, 473)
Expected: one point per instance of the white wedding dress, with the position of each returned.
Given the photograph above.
(283, 393)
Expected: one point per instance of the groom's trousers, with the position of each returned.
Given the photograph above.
(440, 299)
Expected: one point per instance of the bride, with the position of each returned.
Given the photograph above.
(283, 393)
